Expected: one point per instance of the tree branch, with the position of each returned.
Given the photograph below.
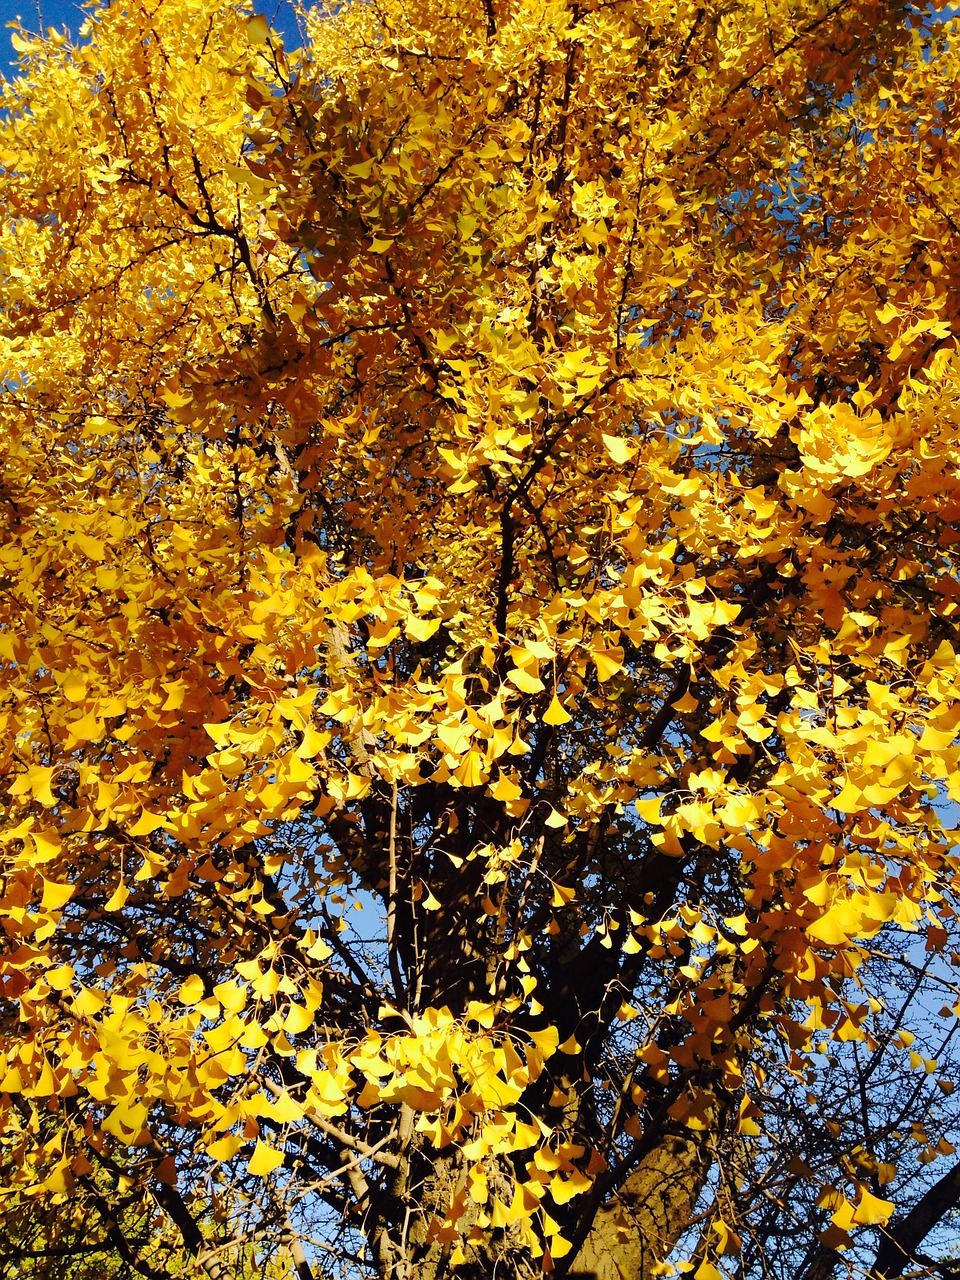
(901, 1239)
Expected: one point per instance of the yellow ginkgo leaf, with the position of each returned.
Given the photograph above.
(525, 680)
(556, 713)
(562, 895)
(74, 686)
(87, 728)
(649, 810)
(472, 769)
(224, 1148)
(118, 898)
(871, 1210)
(608, 662)
(60, 978)
(258, 29)
(618, 449)
(145, 824)
(505, 789)
(55, 895)
(298, 1019)
(264, 1159)
(192, 990)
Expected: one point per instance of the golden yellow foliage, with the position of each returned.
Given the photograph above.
(496, 466)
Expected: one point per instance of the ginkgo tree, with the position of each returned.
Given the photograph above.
(495, 467)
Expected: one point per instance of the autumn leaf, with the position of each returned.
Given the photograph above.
(264, 1160)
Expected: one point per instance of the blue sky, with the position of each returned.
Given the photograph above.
(70, 13)
(53, 13)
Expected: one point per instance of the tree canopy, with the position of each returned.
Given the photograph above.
(479, 654)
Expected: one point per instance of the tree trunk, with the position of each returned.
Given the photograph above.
(639, 1226)
(632, 1232)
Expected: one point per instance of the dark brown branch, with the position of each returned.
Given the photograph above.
(900, 1241)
